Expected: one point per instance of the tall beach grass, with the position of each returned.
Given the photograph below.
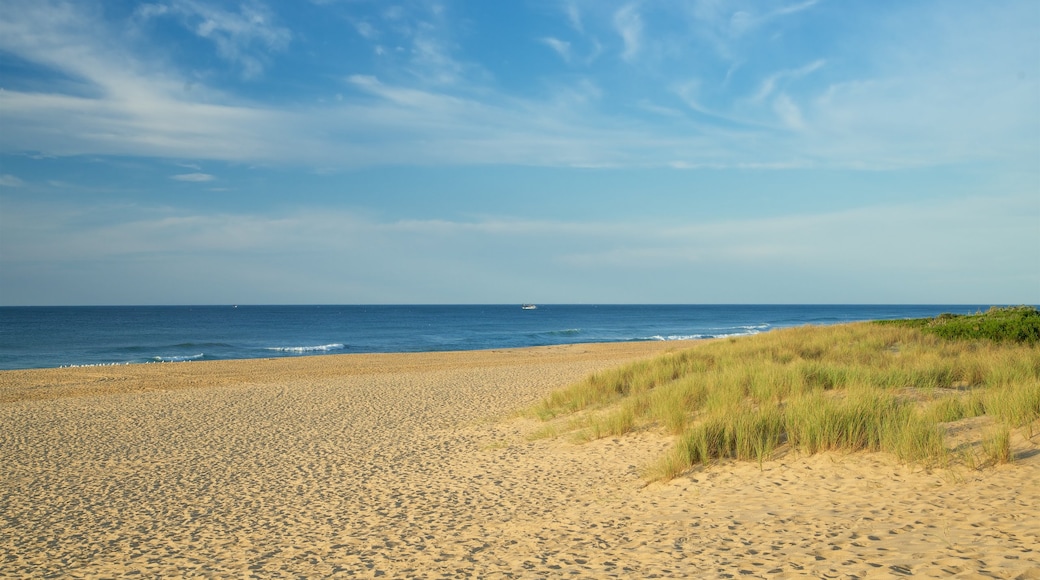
(855, 387)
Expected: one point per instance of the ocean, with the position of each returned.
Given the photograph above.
(43, 337)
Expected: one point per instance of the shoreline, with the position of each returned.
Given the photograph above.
(413, 465)
(269, 357)
(75, 381)
(87, 336)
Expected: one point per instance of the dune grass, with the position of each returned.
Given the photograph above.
(854, 387)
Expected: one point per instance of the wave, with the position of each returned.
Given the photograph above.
(303, 349)
(86, 365)
(145, 348)
(178, 358)
(674, 337)
(748, 331)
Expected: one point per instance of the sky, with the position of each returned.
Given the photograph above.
(546, 151)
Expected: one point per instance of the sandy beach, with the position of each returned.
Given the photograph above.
(415, 465)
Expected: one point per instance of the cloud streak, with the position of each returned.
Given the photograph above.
(629, 25)
(193, 177)
(8, 180)
(560, 47)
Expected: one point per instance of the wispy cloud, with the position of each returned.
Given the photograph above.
(432, 61)
(366, 29)
(744, 21)
(574, 17)
(242, 37)
(417, 41)
(688, 92)
(793, 8)
(432, 102)
(629, 25)
(769, 85)
(718, 258)
(8, 180)
(193, 177)
(789, 113)
(796, 238)
(560, 47)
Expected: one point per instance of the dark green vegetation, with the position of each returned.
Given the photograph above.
(1011, 324)
(890, 388)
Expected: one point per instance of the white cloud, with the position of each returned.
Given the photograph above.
(770, 83)
(561, 47)
(689, 92)
(241, 38)
(134, 107)
(659, 109)
(147, 11)
(8, 180)
(629, 25)
(789, 113)
(419, 41)
(793, 8)
(194, 177)
(743, 22)
(574, 17)
(432, 61)
(366, 29)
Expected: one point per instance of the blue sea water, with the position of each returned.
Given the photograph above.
(40, 337)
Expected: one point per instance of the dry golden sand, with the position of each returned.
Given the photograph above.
(409, 465)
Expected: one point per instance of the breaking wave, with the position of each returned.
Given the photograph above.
(86, 365)
(305, 349)
(744, 331)
(178, 358)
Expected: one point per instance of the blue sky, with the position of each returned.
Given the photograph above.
(352, 151)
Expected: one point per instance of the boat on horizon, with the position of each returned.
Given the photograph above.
(528, 307)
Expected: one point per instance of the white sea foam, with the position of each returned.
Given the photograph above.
(749, 331)
(154, 359)
(111, 364)
(178, 358)
(303, 349)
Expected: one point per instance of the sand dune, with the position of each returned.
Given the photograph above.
(410, 465)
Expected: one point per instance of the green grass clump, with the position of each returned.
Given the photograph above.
(956, 407)
(609, 386)
(612, 424)
(855, 387)
(1016, 405)
(997, 445)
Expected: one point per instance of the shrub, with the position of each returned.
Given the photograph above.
(1011, 324)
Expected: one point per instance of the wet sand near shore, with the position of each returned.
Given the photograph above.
(413, 465)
